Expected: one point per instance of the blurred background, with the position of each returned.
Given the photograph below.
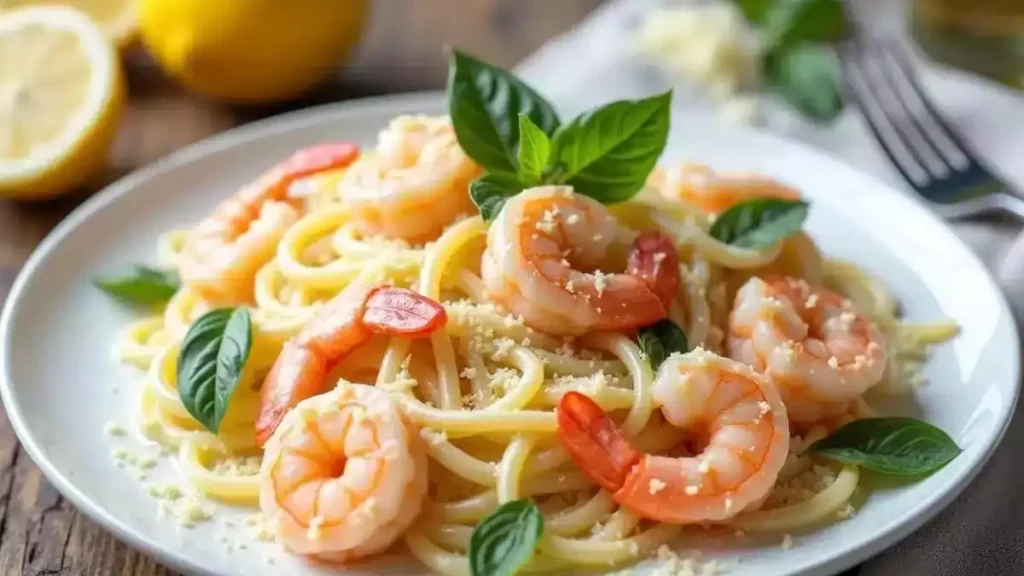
(196, 67)
(177, 71)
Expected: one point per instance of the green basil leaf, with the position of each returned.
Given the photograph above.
(490, 191)
(651, 346)
(759, 222)
(485, 103)
(534, 151)
(504, 541)
(897, 446)
(755, 11)
(608, 153)
(671, 336)
(210, 363)
(141, 285)
(789, 22)
(660, 340)
(808, 76)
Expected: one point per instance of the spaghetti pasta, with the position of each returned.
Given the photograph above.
(482, 391)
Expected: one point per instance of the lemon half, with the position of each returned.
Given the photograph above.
(61, 95)
(118, 19)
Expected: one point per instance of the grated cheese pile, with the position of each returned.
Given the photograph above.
(710, 46)
(672, 564)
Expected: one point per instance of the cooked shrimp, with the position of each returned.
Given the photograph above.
(415, 185)
(538, 251)
(734, 410)
(222, 253)
(340, 326)
(698, 185)
(344, 474)
(819, 350)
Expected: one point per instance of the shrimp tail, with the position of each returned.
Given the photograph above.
(595, 442)
(654, 260)
(342, 325)
(400, 312)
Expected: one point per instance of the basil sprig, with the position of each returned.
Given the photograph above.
(534, 151)
(607, 153)
(504, 542)
(515, 135)
(808, 76)
(485, 103)
(141, 285)
(660, 340)
(793, 22)
(759, 222)
(896, 446)
(210, 363)
(799, 63)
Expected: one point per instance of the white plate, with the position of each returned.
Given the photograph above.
(59, 378)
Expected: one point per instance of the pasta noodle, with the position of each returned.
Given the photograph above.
(483, 389)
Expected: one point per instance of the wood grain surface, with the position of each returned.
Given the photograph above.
(41, 533)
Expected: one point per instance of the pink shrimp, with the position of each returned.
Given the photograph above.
(698, 185)
(416, 183)
(820, 351)
(223, 253)
(539, 248)
(737, 411)
(344, 323)
(344, 474)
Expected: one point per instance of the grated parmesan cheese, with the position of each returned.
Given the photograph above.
(845, 512)
(433, 437)
(547, 223)
(189, 511)
(600, 282)
(656, 486)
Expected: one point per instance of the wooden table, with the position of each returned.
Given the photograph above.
(40, 532)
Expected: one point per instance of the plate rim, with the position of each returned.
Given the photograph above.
(926, 510)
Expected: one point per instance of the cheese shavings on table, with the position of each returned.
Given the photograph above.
(712, 48)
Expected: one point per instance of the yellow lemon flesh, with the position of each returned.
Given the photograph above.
(61, 95)
(250, 50)
(117, 18)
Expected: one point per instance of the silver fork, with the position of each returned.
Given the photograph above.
(932, 157)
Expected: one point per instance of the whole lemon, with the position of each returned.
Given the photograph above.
(250, 50)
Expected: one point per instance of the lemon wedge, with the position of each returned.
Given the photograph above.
(119, 19)
(61, 95)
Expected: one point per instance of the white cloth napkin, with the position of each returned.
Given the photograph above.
(983, 531)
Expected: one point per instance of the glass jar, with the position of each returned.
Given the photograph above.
(983, 36)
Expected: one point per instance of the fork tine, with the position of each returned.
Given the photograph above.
(902, 114)
(910, 76)
(880, 123)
